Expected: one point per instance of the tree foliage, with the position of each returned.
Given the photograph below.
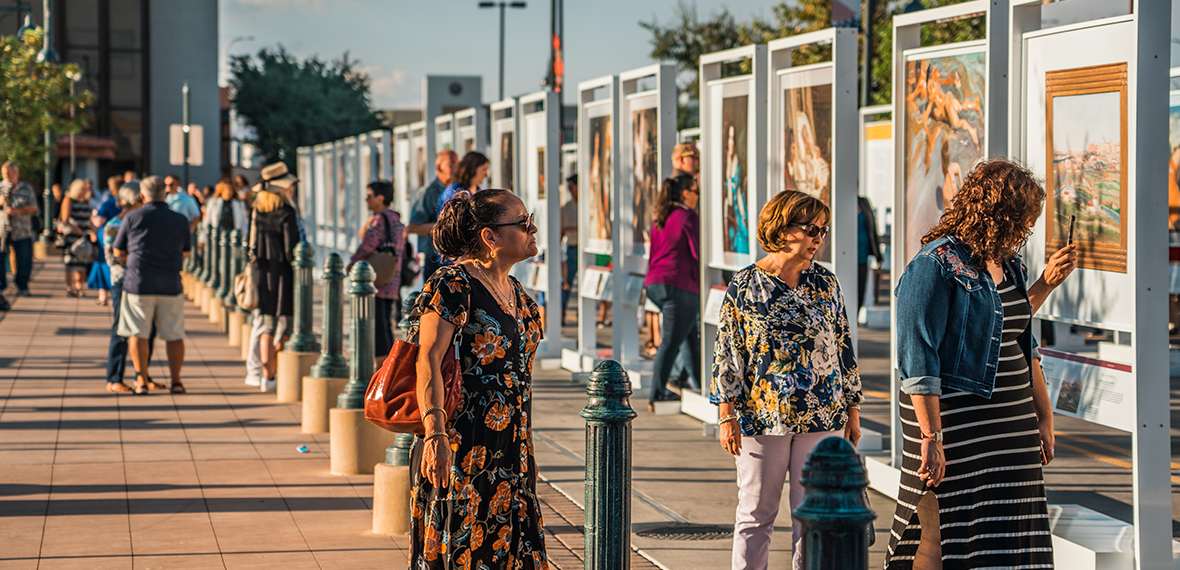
(34, 98)
(685, 38)
(290, 104)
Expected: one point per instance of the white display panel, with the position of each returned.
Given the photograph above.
(640, 154)
(1089, 296)
(504, 163)
(420, 173)
(320, 189)
(877, 182)
(403, 189)
(730, 155)
(444, 134)
(599, 179)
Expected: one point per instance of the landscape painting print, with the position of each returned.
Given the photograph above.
(600, 186)
(1086, 142)
(735, 215)
(943, 136)
(645, 174)
(507, 160)
(807, 147)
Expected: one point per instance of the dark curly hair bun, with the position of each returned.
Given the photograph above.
(462, 219)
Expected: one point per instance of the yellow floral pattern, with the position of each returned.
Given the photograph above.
(784, 355)
(489, 516)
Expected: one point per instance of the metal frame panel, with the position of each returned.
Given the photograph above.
(403, 190)
(444, 133)
(505, 118)
(544, 106)
(477, 130)
(419, 139)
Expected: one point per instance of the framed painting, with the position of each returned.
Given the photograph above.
(1086, 151)
(601, 187)
(507, 161)
(805, 153)
(645, 172)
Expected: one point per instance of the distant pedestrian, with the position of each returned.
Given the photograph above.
(152, 244)
(74, 226)
(784, 370)
(18, 207)
(102, 194)
(58, 196)
(476, 506)
(383, 232)
(569, 233)
(129, 176)
(100, 271)
(181, 203)
(224, 211)
(127, 199)
(276, 233)
(686, 159)
(424, 210)
(868, 244)
(469, 176)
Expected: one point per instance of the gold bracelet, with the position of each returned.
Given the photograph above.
(434, 408)
(434, 434)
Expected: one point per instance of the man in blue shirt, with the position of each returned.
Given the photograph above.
(153, 242)
(424, 209)
(182, 203)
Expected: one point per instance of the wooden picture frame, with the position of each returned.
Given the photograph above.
(1085, 163)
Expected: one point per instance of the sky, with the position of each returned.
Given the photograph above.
(398, 42)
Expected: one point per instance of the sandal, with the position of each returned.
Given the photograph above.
(154, 386)
(118, 387)
(140, 389)
(177, 389)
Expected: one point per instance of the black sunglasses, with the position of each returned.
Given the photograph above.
(813, 230)
(525, 225)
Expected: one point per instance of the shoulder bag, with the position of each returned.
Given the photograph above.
(391, 401)
(385, 258)
(245, 288)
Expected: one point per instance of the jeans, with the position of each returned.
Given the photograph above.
(681, 309)
(571, 274)
(24, 264)
(117, 352)
(383, 326)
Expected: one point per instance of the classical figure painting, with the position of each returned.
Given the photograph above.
(943, 135)
(507, 161)
(540, 173)
(1174, 162)
(600, 185)
(735, 215)
(420, 181)
(644, 172)
(807, 146)
(1086, 143)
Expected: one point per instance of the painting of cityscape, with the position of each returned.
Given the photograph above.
(1086, 142)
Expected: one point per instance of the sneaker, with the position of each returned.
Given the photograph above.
(24, 293)
(253, 380)
(268, 385)
(4, 306)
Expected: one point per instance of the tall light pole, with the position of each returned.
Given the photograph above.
(502, 6)
(48, 55)
(225, 54)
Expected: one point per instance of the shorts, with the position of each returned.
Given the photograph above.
(277, 327)
(137, 313)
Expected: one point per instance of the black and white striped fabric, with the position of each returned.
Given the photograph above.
(991, 502)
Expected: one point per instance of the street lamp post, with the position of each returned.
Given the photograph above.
(48, 55)
(225, 55)
(502, 6)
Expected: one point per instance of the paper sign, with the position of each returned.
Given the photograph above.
(713, 305)
(1094, 390)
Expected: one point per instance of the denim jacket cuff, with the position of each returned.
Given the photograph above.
(922, 386)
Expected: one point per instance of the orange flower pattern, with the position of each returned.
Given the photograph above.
(489, 516)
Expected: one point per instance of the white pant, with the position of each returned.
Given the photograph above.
(254, 367)
(762, 469)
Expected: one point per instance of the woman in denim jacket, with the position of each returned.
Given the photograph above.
(969, 369)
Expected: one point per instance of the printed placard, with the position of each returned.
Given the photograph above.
(1094, 390)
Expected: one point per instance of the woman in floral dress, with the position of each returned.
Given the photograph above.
(784, 373)
(474, 503)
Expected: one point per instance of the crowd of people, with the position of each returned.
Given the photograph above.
(978, 427)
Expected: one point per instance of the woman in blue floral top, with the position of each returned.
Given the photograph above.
(784, 372)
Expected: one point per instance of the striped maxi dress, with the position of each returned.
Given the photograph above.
(991, 502)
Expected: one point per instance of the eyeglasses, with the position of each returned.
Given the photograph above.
(813, 230)
(691, 155)
(526, 225)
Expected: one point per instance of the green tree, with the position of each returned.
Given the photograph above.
(292, 104)
(34, 98)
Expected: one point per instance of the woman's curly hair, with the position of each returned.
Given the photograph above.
(991, 213)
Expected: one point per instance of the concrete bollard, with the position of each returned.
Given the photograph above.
(834, 514)
(215, 283)
(391, 488)
(302, 349)
(608, 416)
(357, 445)
(234, 315)
(330, 373)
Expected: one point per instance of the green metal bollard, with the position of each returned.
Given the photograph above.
(835, 515)
(407, 307)
(47, 216)
(304, 339)
(207, 258)
(608, 416)
(226, 269)
(398, 454)
(360, 337)
(230, 301)
(332, 363)
(215, 266)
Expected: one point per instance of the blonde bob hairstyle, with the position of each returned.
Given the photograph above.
(77, 191)
(786, 208)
